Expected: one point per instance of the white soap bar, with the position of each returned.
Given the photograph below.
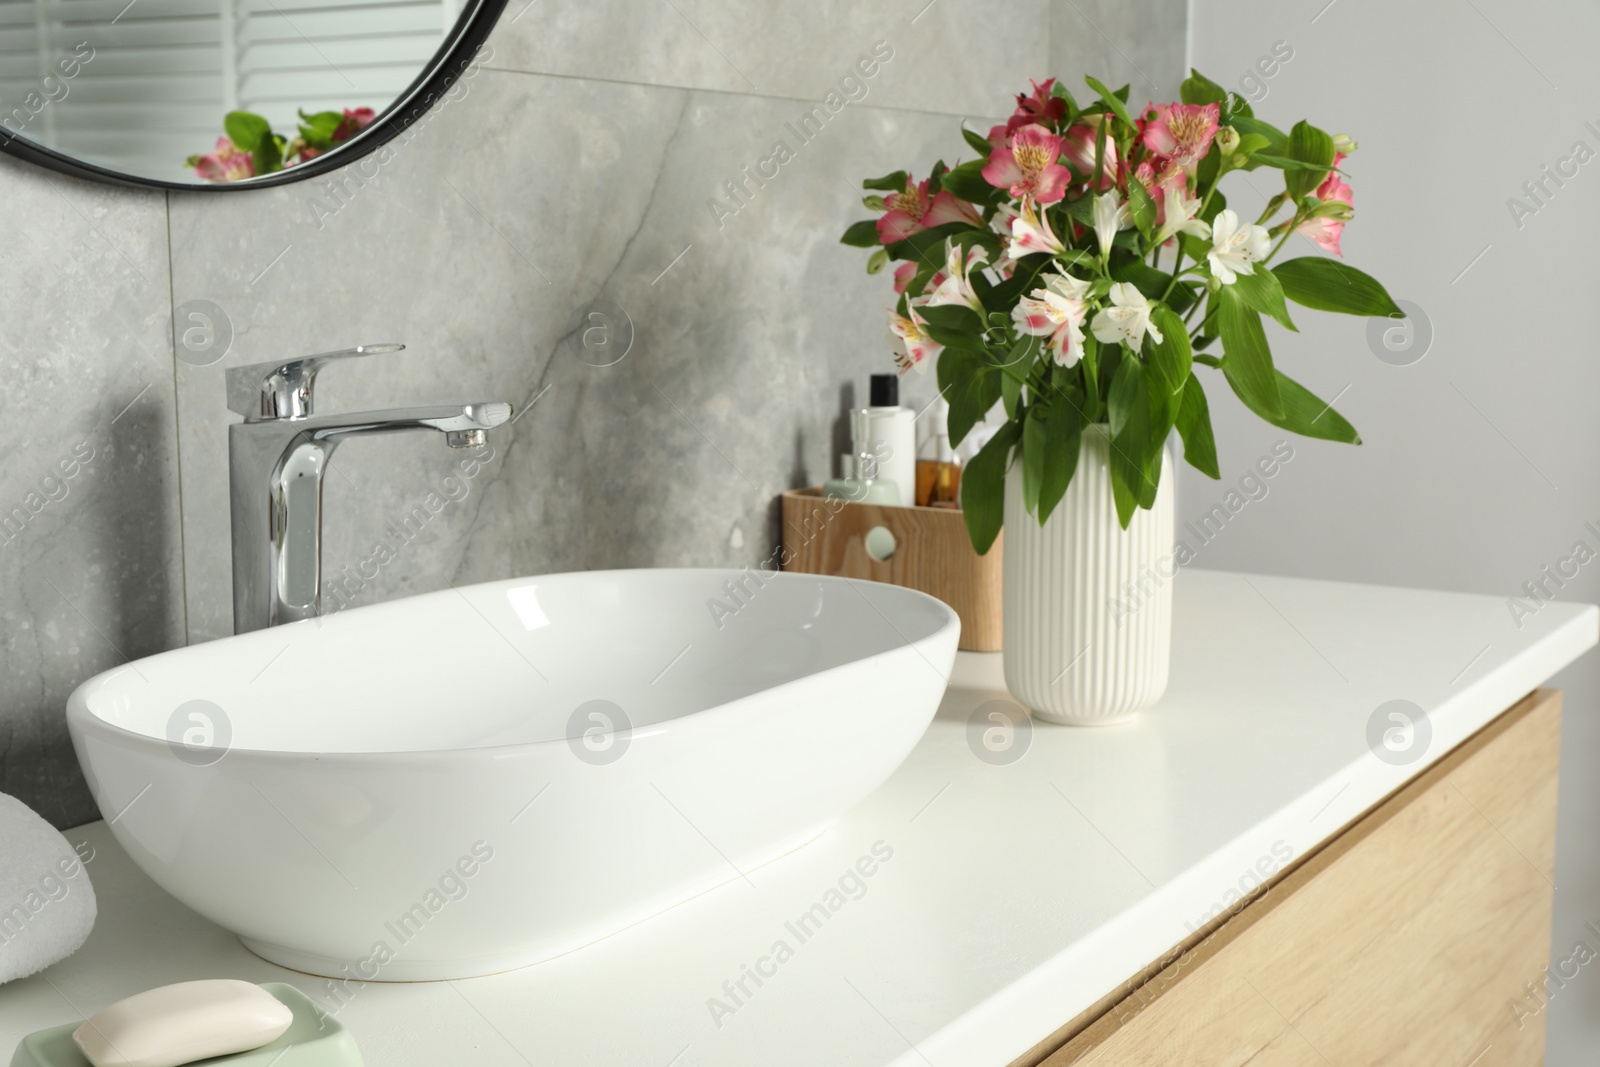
(182, 1023)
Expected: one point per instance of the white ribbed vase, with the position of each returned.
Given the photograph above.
(1088, 605)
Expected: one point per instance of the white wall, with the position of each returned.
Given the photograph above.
(1479, 466)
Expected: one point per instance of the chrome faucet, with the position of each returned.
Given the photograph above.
(276, 460)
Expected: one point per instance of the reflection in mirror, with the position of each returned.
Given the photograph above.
(208, 90)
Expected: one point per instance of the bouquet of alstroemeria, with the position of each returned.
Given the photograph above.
(1078, 269)
(252, 148)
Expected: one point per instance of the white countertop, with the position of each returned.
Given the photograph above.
(1016, 895)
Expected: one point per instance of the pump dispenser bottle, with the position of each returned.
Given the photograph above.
(891, 437)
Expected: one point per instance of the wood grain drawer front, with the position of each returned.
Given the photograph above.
(1409, 939)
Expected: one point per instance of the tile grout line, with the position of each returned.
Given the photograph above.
(673, 88)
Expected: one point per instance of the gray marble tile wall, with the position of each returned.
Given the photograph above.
(91, 563)
(576, 172)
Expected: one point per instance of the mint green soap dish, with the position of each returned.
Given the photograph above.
(318, 1040)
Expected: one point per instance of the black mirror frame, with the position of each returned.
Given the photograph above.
(457, 53)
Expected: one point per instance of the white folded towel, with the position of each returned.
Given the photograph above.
(47, 905)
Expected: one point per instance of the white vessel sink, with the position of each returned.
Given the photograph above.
(478, 779)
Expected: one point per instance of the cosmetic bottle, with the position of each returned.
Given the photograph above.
(891, 437)
(939, 471)
(859, 478)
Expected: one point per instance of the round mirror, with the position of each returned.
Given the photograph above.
(224, 94)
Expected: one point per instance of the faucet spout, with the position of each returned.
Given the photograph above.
(448, 419)
(277, 466)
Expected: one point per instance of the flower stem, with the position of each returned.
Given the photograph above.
(1287, 233)
(1272, 208)
(1176, 272)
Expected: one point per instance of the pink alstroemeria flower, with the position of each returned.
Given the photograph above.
(1182, 132)
(225, 163)
(1326, 231)
(356, 119)
(1078, 146)
(903, 275)
(1170, 180)
(920, 349)
(912, 211)
(1041, 107)
(1028, 167)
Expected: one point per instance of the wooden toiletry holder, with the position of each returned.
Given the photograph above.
(931, 553)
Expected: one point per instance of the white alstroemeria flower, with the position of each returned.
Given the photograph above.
(1030, 233)
(1003, 215)
(1181, 212)
(956, 288)
(1110, 215)
(920, 349)
(1057, 311)
(1127, 320)
(1236, 249)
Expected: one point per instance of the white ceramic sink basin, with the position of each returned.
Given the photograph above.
(478, 779)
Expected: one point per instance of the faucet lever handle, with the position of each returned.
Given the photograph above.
(285, 389)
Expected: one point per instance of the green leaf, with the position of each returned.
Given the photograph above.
(1126, 392)
(1288, 164)
(1062, 434)
(1251, 143)
(952, 317)
(1112, 101)
(863, 234)
(1080, 210)
(1307, 144)
(968, 183)
(268, 155)
(1210, 168)
(1153, 283)
(246, 130)
(1194, 428)
(1304, 414)
(1199, 89)
(971, 385)
(318, 130)
(1122, 491)
(1277, 141)
(955, 339)
(1328, 285)
(1142, 207)
(889, 183)
(929, 244)
(977, 141)
(1262, 291)
(1034, 460)
(983, 488)
(1023, 353)
(1171, 359)
(1010, 394)
(1131, 445)
(1150, 472)
(1246, 360)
